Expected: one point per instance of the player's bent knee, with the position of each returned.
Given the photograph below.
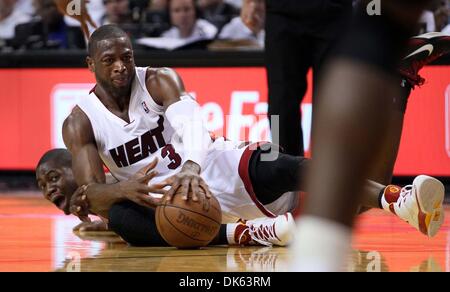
(117, 214)
(135, 224)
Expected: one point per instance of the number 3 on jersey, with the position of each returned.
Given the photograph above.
(169, 151)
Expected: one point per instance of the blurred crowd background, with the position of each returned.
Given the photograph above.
(152, 24)
(37, 24)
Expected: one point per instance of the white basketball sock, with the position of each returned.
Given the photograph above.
(231, 231)
(321, 245)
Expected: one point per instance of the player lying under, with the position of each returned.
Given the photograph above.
(55, 178)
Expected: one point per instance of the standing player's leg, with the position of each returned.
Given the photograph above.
(287, 67)
(382, 169)
(349, 130)
(422, 50)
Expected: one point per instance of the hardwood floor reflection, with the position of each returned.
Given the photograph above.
(35, 237)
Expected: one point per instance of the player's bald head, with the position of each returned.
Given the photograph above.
(105, 32)
(59, 157)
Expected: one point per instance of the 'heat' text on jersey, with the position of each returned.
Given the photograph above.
(139, 148)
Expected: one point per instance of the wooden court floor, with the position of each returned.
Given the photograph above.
(35, 237)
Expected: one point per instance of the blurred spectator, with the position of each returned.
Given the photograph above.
(427, 22)
(158, 5)
(138, 8)
(119, 12)
(217, 12)
(441, 15)
(10, 16)
(446, 29)
(237, 30)
(157, 18)
(185, 22)
(25, 6)
(47, 30)
(54, 25)
(116, 12)
(235, 3)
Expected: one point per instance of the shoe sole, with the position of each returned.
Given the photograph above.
(430, 196)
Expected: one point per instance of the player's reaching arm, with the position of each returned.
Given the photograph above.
(78, 11)
(253, 15)
(94, 194)
(183, 113)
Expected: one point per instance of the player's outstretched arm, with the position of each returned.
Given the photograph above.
(184, 115)
(251, 16)
(95, 226)
(78, 11)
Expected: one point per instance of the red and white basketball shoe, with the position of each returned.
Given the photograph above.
(420, 204)
(278, 231)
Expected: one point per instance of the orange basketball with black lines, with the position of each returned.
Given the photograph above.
(188, 224)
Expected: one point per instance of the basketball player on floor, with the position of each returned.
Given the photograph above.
(134, 115)
(55, 178)
(136, 111)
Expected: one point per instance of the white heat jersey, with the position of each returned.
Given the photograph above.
(125, 148)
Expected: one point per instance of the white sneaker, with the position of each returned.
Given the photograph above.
(278, 231)
(420, 204)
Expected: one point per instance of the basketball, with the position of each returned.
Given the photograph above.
(188, 224)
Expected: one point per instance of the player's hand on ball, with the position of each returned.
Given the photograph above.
(145, 170)
(77, 10)
(137, 188)
(186, 183)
